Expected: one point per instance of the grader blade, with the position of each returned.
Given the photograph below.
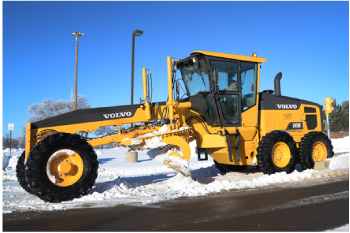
(184, 171)
(172, 147)
(175, 162)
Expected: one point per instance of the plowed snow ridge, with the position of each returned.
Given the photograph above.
(148, 181)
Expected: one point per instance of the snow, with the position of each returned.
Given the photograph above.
(149, 181)
(154, 142)
(340, 145)
(164, 129)
(344, 228)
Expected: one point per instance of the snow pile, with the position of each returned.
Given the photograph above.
(169, 156)
(340, 144)
(164, 129)
(155, 142)
(9, 162)
(341, 162)
(5, 161)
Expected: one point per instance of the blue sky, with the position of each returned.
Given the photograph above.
(307, 41)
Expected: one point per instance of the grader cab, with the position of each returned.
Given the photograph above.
(223, 110)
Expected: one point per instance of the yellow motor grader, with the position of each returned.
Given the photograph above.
(222, 110)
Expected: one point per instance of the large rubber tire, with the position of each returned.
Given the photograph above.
(277, 153)
(38, 159)
(314, 141)
(20, 173)
(224, 168)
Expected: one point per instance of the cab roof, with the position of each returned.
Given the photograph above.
(232, 56)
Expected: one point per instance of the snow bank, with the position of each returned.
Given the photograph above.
(340, 144)
(344, 228)
(9, 162)
(5, 161)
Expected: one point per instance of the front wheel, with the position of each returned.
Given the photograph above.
(20, 173)
(61, 167)
(314, 146)
(277, 153)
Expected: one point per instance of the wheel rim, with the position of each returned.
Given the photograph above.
(64, 168)
(319, 151)
(281, 154)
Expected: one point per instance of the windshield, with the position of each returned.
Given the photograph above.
(195, 77)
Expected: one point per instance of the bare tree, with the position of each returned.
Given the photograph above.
(23, 131)
(50, 108)
(103, 131)
(82, 103)
(21, 142)
(15, 143)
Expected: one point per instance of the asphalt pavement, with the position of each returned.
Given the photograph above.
(312, 208)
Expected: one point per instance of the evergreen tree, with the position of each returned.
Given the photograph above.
(345, 116)
(339, 118)
(324, 120)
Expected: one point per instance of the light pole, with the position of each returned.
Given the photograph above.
(134, 33)
(11, 127)
(76, 34)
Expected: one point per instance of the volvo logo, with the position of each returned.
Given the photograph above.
(287, 106)
(117, 115)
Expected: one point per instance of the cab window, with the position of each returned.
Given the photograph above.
(227, 71)
(248, 84)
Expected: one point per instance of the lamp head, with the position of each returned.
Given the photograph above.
(77, 33)
(137, 33)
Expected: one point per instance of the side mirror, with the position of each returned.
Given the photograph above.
(215, 75)
(177, 89)
(215, 81)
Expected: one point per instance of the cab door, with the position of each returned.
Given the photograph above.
(228, 101)
(237, 96)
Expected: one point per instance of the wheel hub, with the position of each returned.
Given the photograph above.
(281, 154)
(64, 168)
(319, 151)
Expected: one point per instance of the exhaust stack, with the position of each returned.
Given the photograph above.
(277, 84)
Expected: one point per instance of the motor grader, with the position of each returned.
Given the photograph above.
(222, 109)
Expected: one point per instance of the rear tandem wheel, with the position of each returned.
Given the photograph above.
(314, 146)
(277, 153)
(61, 167)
